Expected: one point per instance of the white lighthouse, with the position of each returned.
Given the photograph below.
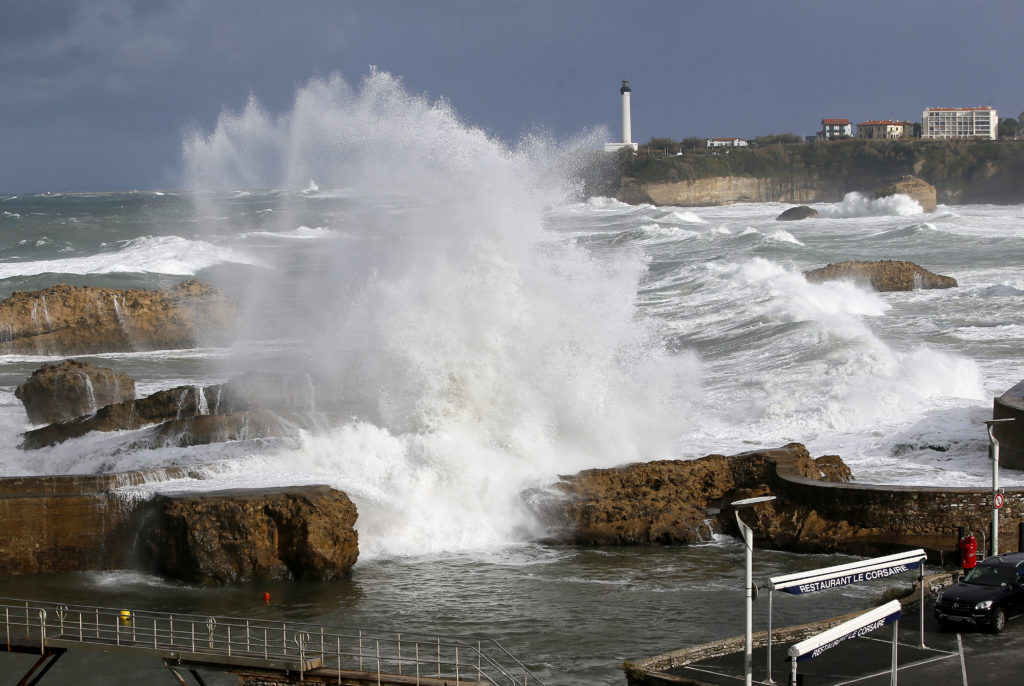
(627, 127)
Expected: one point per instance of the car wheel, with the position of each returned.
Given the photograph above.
(998, 620)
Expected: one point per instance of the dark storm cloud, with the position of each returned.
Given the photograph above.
(102, 89)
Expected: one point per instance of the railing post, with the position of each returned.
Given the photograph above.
(399, 654)
(377, 641)
(417, 663)
(438, 657)
(361, 650)
(456, 663)
(42, 631)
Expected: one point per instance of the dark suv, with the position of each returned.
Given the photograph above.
(988, 594)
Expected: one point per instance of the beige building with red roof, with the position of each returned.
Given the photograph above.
(879, 129)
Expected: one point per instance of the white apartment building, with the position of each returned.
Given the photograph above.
(960, 122)
(835, 128)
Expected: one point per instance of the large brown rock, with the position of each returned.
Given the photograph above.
(61, 524)
(61, 392)
(74, 320)
(882, 275)
(303, 533)
(666, 501)
(917, 189)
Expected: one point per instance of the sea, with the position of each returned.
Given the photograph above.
(485, 327)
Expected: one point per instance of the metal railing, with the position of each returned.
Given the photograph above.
(238, 642)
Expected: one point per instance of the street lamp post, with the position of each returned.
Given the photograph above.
(748, 543)
(993, 453)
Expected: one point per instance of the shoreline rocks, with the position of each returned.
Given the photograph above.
(668, 501)
(78, 320)
(882, 275)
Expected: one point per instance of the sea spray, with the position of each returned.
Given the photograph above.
(476, 352)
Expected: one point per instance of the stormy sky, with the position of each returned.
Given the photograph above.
(96, 94)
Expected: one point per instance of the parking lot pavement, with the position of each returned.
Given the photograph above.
(970, 657)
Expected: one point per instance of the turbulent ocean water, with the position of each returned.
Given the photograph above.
(485, 328)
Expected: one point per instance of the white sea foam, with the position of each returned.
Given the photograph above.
(149, 254)
(477, 352)
(858, 205)
(300, 233)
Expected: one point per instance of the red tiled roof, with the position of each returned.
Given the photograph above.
(835, 122)
(734, 138)
(885, 122)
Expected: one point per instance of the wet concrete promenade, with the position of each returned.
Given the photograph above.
(970, 657)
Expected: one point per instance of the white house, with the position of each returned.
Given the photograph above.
(835, 128)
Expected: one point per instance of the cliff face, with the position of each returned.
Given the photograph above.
(725, 190)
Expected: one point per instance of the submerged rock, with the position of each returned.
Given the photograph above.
(797, 213)
(254, 405)
(305, 533)
(70, 389)
(913, 187)
(75, 320)
(883, 275)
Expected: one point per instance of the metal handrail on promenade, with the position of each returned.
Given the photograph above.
(237, 643)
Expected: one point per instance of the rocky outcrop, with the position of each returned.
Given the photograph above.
(60, 524)
(883, 275)
(61, 392)
(303, 533)
(815, 510)
(797, 213)
(667, 501)
(916, 189)
(74, 320)
(254, 405)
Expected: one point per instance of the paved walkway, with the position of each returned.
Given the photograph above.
(971, 658)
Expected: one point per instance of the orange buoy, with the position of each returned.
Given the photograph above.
(266, 598)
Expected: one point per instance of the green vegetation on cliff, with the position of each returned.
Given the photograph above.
(973, 170)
